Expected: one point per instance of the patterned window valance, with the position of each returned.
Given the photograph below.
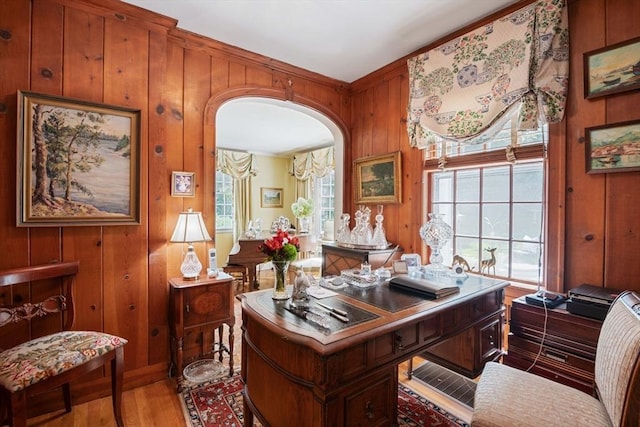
(518, 64)
(237, 164)
(313, 163)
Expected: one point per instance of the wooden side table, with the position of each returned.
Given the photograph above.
(336, 258)
(197, 309)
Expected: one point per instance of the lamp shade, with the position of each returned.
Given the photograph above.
(190, 228)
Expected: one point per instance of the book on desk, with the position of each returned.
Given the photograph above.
(429, 288)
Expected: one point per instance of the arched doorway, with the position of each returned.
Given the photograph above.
(300, 105)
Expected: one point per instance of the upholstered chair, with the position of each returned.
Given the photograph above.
(46, 359)
(506, 396)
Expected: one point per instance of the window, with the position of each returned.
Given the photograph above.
(224, 202)
(324, 190)
(491, 203)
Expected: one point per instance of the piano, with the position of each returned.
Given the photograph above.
(248, 255)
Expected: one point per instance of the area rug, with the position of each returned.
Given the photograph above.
(219, 403)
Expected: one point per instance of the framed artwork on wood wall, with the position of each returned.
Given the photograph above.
(183, 184)
(378, 179)
(270, 197)
(613, 147)
(78, 162)
(612, 69)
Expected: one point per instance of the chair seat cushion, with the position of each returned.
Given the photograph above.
(51, 355)
(506, 396)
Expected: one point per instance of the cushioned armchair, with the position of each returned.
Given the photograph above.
(506, 396)
(46, 354)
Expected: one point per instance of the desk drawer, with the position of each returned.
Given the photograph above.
(397, 343)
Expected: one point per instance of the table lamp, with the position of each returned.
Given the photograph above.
(190, 228)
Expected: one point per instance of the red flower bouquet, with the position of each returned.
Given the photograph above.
(280, 250)
(281, 247)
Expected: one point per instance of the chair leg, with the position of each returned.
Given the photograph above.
(18, 409)
(117, 378)
(66, 392)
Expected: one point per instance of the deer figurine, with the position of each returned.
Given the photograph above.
(489, 263)
(457, 259)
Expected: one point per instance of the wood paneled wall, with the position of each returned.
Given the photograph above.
(594, 220)
(112, 52)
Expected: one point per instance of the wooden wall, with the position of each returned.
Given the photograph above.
(111, 52)
(114, 53)
(594, 220)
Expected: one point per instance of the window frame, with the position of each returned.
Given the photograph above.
(220, 178)
(497, 157)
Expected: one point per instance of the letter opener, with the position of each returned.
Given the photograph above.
(333, 310)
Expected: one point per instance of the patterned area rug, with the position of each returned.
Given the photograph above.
(219, 403)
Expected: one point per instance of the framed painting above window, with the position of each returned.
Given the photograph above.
(612, 69)
(378, 179)
(78, 162)
(613, 147)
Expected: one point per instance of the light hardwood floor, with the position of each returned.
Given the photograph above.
(158, 404)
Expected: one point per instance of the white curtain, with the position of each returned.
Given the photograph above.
(313, 163)
(516, 65)
(241, 167)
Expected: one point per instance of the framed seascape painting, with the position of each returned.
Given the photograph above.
(612, 69)
(78, 162)
(378, 179)
(613, 147)
(270, 197)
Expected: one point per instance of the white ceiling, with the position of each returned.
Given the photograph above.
(342, 39)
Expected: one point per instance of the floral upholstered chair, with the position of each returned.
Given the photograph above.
(50, 360)
(506, 396)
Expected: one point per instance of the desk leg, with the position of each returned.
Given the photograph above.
(231, 338)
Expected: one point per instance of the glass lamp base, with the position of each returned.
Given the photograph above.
(191, 266)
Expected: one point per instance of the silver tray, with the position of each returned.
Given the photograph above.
(356, 246)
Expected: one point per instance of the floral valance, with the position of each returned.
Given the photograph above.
(313, 163)
(238, 164)
(518, 64)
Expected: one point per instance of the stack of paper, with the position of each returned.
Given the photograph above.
(429, 288)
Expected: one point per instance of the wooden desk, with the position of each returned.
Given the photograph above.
(298, 374)
(197, 309)
(336, 258)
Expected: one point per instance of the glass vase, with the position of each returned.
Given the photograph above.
(436, 233)
(304, 224)
(280, 280)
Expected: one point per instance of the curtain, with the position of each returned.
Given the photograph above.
(240, 166)
(313, 163)
(515, 66)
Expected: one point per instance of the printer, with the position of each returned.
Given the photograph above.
(591, 301)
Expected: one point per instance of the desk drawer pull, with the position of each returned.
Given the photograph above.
(555, 356)
(368, 410)
(399, 346)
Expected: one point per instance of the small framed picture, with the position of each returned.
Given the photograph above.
(270, 197)
(412, 260)
(183, 184)
(400, 267)
(612, 69)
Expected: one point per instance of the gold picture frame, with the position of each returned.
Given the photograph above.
(183, 184)
(378, 179)
(270, 197)
(78, 162)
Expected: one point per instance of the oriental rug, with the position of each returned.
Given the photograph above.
(219, 403)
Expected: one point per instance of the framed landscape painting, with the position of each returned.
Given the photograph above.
(78, 162)
(270, 197)
(612, 69)
(613, 147)
(378, 179)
